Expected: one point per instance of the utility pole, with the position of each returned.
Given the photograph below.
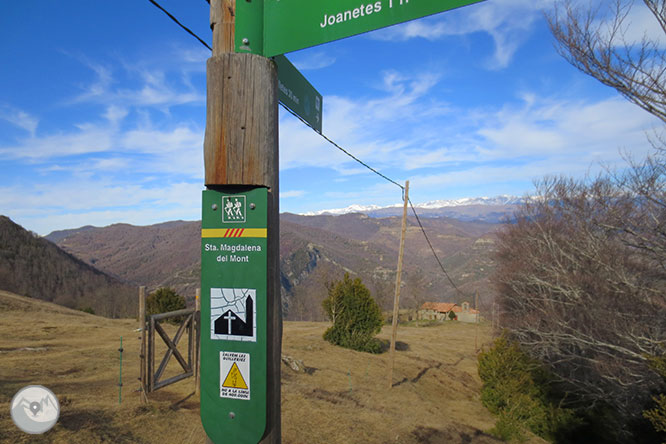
(476, 321)
(398, 278)
(241, 157)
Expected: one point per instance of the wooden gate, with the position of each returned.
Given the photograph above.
(151, 377)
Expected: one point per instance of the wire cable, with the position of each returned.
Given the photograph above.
(433, 250)
(383, 176)
(448, 277)
(393, 182)
(180, 24)
(344, 150)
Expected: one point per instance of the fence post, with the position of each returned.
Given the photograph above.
(142, 327)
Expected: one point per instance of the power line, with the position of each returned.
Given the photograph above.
(383, 176)
(344, 150)
(180, 24)
(393, 182)
(433, 250)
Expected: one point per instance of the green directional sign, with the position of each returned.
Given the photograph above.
(233, 314)
(297, 94)
(290, 25)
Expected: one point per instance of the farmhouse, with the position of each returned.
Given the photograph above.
(465, 313)
(446, 311)
(437, 311)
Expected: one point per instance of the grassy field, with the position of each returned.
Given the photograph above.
(342, 397)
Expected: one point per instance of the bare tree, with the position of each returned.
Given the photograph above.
(582, 282)
(597, 42)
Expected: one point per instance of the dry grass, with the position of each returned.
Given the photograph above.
(343, 398)
(76, 355)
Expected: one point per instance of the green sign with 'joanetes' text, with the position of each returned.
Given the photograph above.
(290, 25)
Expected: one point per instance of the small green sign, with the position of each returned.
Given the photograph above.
(297, 94)
(233, 314)
(290, 25)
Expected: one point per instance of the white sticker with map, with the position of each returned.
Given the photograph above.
(233, 313)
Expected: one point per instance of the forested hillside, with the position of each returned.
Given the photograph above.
(34, 267)
(313, 250)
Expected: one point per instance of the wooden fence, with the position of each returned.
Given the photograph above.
(151, 377)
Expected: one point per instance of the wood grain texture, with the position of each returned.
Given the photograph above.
(223, 24)
(240, 145)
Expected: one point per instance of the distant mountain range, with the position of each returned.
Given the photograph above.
(314, 250)
(488, 209)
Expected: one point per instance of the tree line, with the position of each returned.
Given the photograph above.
(581, 274)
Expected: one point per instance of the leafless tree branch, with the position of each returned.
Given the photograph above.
(595, 42)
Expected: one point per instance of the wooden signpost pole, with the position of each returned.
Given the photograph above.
(396, 300)
(241, 150)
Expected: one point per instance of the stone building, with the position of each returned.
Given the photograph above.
(448, 311)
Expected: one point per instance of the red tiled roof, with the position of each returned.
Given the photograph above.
(442, 307)
(459, 309)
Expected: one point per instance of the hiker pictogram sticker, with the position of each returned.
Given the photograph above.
(234, 375)
(234, 209)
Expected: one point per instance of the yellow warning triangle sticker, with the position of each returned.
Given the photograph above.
(234, 379)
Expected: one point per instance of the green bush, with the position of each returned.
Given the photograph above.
(657, 415)
(516, 388)
(356, 316)
(88, 310)
(164, 300)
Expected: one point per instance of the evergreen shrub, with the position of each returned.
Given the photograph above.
(356, 316)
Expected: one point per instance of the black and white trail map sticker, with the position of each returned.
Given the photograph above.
(234, 375)
(233, 314)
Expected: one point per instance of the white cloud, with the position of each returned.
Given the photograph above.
(507, 22)
(551, 127)
(19, 118)
(90, 139)
(639, 23)
(115, 114)
(152, 85)
(292, 194)
(313, 60)
(360, 125)
(73, 203)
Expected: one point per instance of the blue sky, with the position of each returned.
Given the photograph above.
(102, 112)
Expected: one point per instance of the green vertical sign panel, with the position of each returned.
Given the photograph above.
(249, 31)
(233, 314)
(290, 25)
(297, 94)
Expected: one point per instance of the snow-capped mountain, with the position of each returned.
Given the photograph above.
(497, 200)
(364, 209)
(490, 209)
